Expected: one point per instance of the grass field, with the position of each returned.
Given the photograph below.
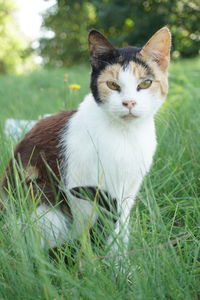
(164, 254)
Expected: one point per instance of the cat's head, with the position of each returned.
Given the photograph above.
(130, 83)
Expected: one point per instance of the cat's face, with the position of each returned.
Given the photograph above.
(130, 83)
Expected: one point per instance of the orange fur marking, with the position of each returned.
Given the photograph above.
(111, 73)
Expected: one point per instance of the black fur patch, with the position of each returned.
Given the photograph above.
(98, 65)
(122, 56)
(92, 192)
(101, 229)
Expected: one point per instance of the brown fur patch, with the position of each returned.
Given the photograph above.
(39, 155)
(111, 72)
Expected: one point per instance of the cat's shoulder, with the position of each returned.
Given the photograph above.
(49, 126)
(53, 123)
(45, 135)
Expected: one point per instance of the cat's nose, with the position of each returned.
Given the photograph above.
(129, 104)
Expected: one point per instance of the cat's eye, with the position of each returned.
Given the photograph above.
(144, 84)
(113, 85)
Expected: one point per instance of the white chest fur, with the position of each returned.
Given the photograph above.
(101, 152)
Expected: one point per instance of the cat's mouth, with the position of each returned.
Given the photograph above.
(130, 115)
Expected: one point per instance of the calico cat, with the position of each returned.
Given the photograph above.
(106, 145)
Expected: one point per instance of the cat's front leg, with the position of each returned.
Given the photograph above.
(119, 239)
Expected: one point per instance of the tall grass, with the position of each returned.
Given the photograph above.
(164, 257)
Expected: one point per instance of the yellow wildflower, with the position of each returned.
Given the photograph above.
(74, 86)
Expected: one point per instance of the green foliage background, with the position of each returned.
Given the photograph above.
(124, 22)
(67, 23)
(13, 46)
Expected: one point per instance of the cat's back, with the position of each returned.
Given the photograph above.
(45, 135)
(40, 149)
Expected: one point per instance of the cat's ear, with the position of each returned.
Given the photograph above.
(99, 46)
(158, 48)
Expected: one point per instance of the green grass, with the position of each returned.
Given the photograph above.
(164, 257)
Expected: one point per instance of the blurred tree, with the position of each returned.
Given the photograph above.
(13, 50)
(124, 22)
(134, 21)
(66, 25)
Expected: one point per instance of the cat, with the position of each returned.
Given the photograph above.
(106, 145)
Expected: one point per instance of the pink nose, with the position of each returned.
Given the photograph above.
(129, 104)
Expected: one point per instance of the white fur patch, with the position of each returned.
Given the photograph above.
(53, 226)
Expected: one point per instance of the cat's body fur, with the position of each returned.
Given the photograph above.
(108, 143)
(118, 163)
